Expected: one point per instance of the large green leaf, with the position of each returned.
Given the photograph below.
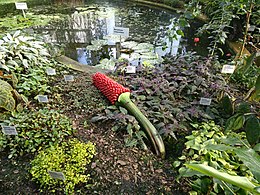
(249, 62)
(227, 105)
(239, 181)
(5, 86)
(252, 130)
(6, 100)
(235, 122)
(239, 122)
(251, 159)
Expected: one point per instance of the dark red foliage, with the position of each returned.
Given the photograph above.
(110, 88)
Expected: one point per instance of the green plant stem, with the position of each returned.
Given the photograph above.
(239, 181)
(124, 100)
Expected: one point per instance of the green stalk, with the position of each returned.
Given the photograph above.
(124, 100)
(239, 181)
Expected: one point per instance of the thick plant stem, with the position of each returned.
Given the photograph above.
(124, 100)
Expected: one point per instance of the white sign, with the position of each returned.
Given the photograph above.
(121, 31)
(68, 77)
(43, 98)
(205, 101)
(51, 71)
(21, 6)
(228, 69)
(130, 69)
(9, 130)
(57, 175)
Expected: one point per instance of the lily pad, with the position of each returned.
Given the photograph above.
(115, 38)
(129, 44)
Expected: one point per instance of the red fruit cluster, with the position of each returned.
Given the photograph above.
(108, 87)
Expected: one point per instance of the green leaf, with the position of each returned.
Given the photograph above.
(230, 123)
(257, 85)
(180, 32)
(235, 122)
(252, 130)
(239, 181)
(123, 110)
(243, 108)
(14, 80)
(249, 62)
(183, 23)
(4, 67)
(219, 147)
(251, 159)
(239, 122)
(176, 164)
(257, 147)
(19, 108)
(227, 105)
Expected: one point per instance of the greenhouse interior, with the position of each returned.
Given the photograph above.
(130, 97)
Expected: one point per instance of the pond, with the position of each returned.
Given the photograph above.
(87, 31)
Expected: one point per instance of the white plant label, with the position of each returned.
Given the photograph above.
(9, 130)
(205, 101)
(68, 77)
(43, 98)
(130, 69)
(57, 175)
(21, 6)
(228, 69)
(51, 71)
(121, 31)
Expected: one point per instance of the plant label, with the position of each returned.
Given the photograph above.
(130, 69)
(43, 98)
(57, 175)
(51, 71)
(21, 6)
(121, 31)
(205, 101)
(68, 78)
(9, 130)
(228, 69)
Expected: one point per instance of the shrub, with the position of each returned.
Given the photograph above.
(229, 153)
(70, 158)
(36, 130)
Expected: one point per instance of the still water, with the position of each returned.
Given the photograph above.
(89, 25)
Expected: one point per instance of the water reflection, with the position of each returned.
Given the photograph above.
(97, 21)
(69, 2)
